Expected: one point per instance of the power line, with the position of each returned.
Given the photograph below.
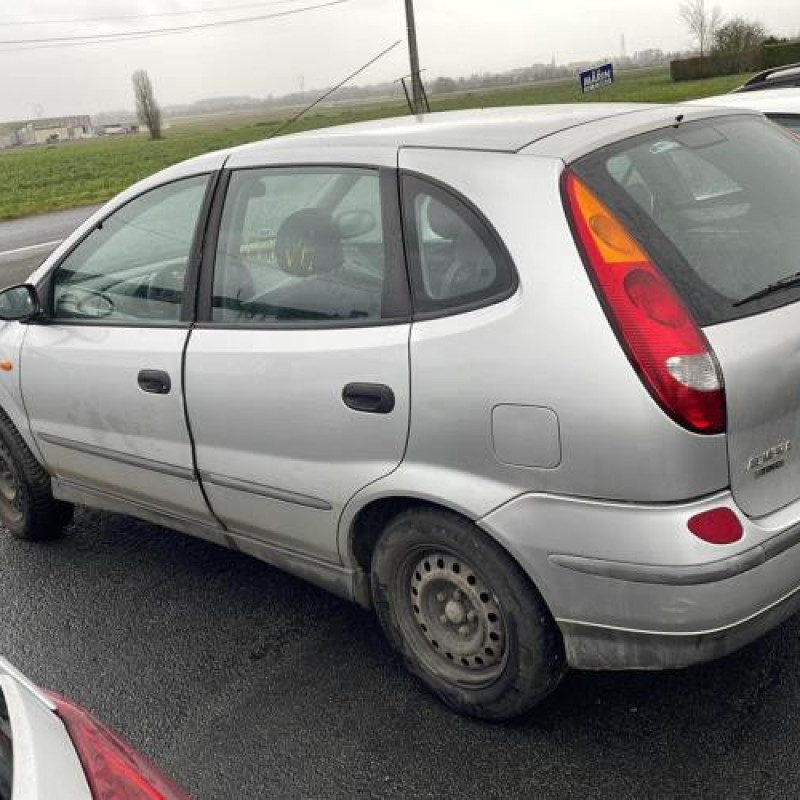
(187, 12)
(338, 86)
(121, 36)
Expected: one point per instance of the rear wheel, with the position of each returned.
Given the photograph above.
(28, 509)
(466, 619)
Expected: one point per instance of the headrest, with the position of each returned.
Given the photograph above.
(308, 243)
(444, 222)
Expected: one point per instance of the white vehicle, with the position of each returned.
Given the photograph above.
(52, 748)
(780, 104)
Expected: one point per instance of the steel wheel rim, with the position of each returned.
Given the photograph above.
(453, 620)
(10, 494)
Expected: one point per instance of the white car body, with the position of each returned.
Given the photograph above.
(779, 104)
(45, 762)
(52, 749)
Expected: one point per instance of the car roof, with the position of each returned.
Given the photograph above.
(510, 130)
(774, 100)
(498, 129)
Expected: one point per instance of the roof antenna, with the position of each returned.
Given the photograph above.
(678, 120)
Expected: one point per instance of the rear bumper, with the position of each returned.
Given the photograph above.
(632, 588)
(603, 647)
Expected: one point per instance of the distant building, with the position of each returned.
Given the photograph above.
(8, 138)
(116, 129)
(55, 129)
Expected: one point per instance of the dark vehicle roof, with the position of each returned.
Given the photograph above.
(786, 75)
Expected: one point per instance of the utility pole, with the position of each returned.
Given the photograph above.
(417, 92)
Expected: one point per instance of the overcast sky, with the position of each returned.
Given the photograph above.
(456, 37)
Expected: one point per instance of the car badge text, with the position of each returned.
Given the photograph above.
(770, 459)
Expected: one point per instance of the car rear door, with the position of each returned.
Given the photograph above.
(101, 374)
(297, 373)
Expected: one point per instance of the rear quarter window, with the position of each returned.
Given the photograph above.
(714, 203)
(457, 261)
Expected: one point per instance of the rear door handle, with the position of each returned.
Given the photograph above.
(155, 381)
(372, 398)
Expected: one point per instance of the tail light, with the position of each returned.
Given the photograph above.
(114, 770)
(659, 336)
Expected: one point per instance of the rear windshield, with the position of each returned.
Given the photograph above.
(6, 753)
(715, 203)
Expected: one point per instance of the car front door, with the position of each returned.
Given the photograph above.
(297, 373)
(101, 372)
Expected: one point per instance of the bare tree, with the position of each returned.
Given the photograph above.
(147, 109)
(701, 21)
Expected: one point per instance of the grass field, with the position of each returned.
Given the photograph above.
(35, 180)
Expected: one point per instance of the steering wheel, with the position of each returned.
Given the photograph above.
(87, 302)
(464, 277)
(164, 286)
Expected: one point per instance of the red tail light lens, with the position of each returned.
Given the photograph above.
(114, 770)
(659, 336)
(717, 526)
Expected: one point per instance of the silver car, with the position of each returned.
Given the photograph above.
(525, 381)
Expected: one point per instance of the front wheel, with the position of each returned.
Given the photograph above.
(28, 509)
(466, 619)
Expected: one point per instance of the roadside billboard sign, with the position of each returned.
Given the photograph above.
(596, 77)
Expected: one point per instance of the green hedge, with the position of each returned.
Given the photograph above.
(775, 55)
(765, 57)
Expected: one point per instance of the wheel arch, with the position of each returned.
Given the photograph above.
(368, 522)
(16, 416)
(12, 403)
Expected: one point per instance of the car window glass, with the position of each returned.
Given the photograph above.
(454, 258)
(789, 121)
(260, 217)
(720, 208)
(132, 266)
(702, 178)
(624, 172)
(356, 213)
(300, 244)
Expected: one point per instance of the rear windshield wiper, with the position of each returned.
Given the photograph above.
(783, 283)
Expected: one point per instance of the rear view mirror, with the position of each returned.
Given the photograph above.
(19, 303)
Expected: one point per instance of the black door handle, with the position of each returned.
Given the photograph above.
(372, 398)
(155, 381)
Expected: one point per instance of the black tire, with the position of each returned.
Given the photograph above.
(464, 616)
(28, 509)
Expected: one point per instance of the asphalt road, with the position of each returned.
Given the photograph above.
(25, 243)
(242, 682)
